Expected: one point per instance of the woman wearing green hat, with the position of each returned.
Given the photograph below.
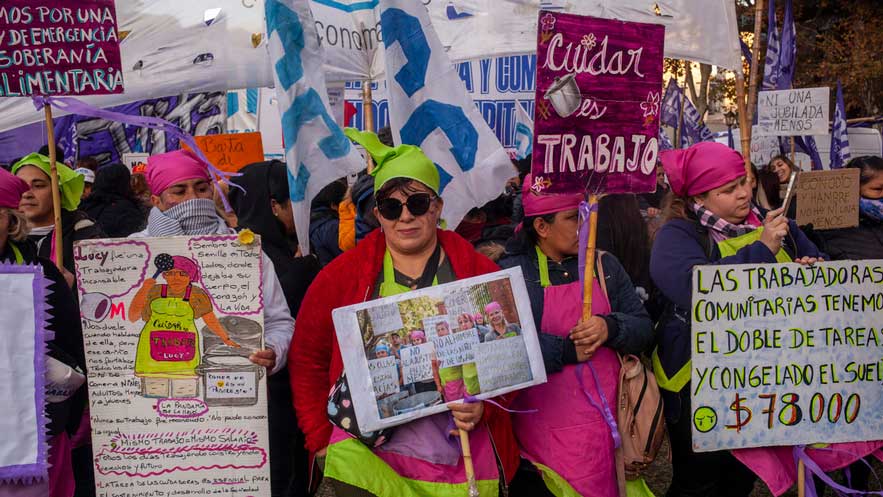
(36, 204)
(408, 252)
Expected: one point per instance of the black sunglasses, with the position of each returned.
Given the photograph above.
(418, 205)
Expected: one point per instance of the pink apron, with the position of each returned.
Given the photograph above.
(568, 434)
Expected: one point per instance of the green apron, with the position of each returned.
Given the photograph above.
(727, 248)
(169, 343)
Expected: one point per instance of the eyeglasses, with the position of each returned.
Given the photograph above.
(418, 205)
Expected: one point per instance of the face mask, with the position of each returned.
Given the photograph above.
(193, 217)
(872, 209)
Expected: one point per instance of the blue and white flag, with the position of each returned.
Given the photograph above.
(771, 67)
(664, 141)
(693, 129)
(788, 50)
(429, 108)
(839, 136)
(523, 132)
(316, 150)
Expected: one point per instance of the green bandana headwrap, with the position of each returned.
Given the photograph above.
(404, 161)
(70, 183)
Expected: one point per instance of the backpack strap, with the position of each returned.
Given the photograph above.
(599, 270)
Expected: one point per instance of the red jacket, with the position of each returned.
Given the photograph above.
(314, 361)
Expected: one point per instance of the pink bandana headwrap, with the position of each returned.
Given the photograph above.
(165, 170)
(493, 306)
(701, 168)
(11, 189)
(188, 266)
(537, 204)
(418, 334)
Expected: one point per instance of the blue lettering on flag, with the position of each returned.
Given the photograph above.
(306, 106)
(399, 26)
(353, 7)
(452, 120)
(297, 187)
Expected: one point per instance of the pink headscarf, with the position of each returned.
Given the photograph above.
(701, 168)
(537, 204)
(165, 170)
(417, 334)
(188, 266)
(493, 306)
(11, 189)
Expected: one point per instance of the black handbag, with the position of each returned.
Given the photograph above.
(342, 414)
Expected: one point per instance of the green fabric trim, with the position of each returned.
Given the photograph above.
(351, 462)
(404, 161)
(555, 483)
(543, 262)
(637, 488)
(19, 260)
(731, 246)
(675, 383)
(70, 182)
(389, 287)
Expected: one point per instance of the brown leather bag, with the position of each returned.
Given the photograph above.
(639, 414)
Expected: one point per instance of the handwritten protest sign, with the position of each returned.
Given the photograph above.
(426, 384)
(231, 152)
(598, 103)
(763, 148)
(167, 325)
(459, 303)
(385, 318)
(133, 160)
(828, 199)
(456, 349)
(384, 375)
(53, 47)
(435, 325)
(786, 354)
(416, 363)
(23, 291)
(799, 112)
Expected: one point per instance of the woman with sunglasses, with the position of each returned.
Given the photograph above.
(408, 252)
(567, 440)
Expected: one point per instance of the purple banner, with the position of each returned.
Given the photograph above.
(58, 47)
(599, 86)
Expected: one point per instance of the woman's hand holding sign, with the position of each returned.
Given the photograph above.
(466, 414)
(588, 336)
(775, 229)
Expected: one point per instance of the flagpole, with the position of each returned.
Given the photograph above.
(755, 55)
(589, 273)
(744, 122)
(680, 129)
(56, 191)
(368, 114)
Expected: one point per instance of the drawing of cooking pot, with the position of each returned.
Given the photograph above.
(417, 402)
(564, 95)
(95, 306)
(230, 380)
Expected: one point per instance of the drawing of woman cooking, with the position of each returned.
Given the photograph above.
(168, 347)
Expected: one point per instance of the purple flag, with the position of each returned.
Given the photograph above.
(771, 67)
(746, 51)
(788, 50)
(808, 145)
(693, 130)
(839, 136)
(598, 104)
(664, 141)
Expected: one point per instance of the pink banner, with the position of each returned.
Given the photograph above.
(599, 85)
(59, 48)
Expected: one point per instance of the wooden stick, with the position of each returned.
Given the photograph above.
(56, 191)
(467, 463)
(679, 132)
(589, 274)
(368, 114)
(793, 151)
(801, 479)
(755, 55)
(744, 123)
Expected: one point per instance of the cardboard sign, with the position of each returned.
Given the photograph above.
(232, 152)
(828, 199)
(598, 99)
(168, 324)
(54, 47)
(799, 112)
(445, 368)
(784, 354)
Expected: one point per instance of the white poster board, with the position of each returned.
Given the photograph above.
(798, 112)
(784, 354)
(488, 369)
(168, 324)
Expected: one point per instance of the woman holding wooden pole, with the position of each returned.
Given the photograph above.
(570, 439)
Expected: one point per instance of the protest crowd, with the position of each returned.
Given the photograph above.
(618, 352)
